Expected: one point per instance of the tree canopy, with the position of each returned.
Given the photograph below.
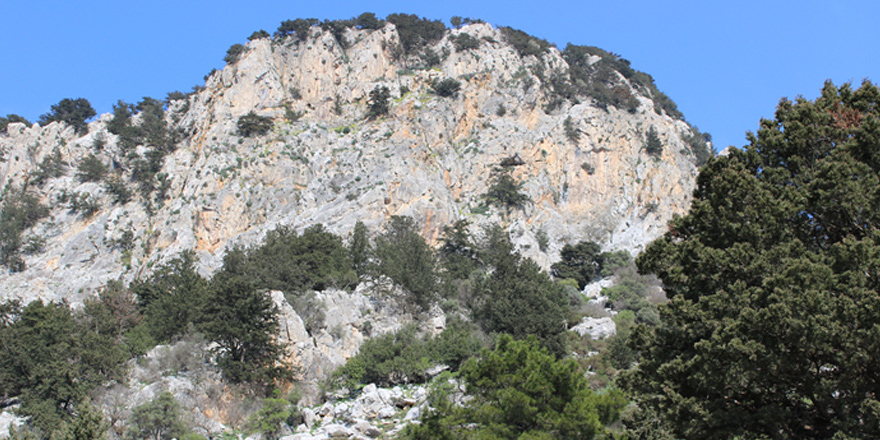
(74, 112)
(520, 391)
(773, 326)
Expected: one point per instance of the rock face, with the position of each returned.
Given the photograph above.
(324, 162)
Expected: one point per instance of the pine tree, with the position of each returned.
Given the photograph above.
(774, 281)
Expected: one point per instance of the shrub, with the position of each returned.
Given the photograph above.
(51, 166)
(379, 102)
(252, 124)
(118, 190)
(258, 35)
(234, 53)
(299, 27)
(159, 418)
(292, 262)
(699, 145)
(504, 191)
(571, 133)
(415, 32)
(74, 112)
(404, 356)
(446, 88)
(268, 419)
(10, 118)
(653, 146)
(404, 257)
(21, 210)
(524, 43)
(465, 41)
(517, 298)
(519, 391)
(368, 20)
(91, 169)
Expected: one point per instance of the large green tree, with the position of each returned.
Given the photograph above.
(242, 321)
(773, 328)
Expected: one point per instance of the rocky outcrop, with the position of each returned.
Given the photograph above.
(430, 158)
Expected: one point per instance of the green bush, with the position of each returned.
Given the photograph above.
(117, 189)
(299, 28)
(368, 20)
(268, 419)
(52, 358)
(403, 256)
(74, 112)
(242, 321)
(50, 167)
(517, 298)
(21, 210)
(447, 87)
(11, 118)
(172, 297)
(252, 124)
(258, 35)
(698, 144)
(524, 43)
(158, 419)
(414, 32)
(504, 191)
(404, 357)
(91, 169)
(653, 146)
(465, 41)
(234, 53)
(379, 102)
(292, 262)
(519, 391)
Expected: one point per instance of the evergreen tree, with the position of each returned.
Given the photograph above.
(359, 249)
(653, 146)
(774, 281)
(243, 321)
(505, 191)
(74, 112)
(379, 106)
(405, 258)
(519, 299)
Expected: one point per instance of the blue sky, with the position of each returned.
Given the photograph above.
(726, 64)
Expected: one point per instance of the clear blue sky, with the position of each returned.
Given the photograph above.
(725, 64)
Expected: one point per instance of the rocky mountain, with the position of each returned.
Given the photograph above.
(584, 167)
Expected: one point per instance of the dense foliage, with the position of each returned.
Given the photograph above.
(10, 118)
(52, 358)
(416, 32)
(519, 391)
(519, 299)
(379, 102)
(293, 262)
(404, 356)
(504, 190)
(74, 112)
(653, 146)
(21, 210)
(405, 258)
(253, 124)
(772, 327)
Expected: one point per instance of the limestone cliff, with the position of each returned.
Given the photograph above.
(324, 162)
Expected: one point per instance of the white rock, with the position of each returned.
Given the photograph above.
(596, 328)
(337, 431)
(413, 414)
